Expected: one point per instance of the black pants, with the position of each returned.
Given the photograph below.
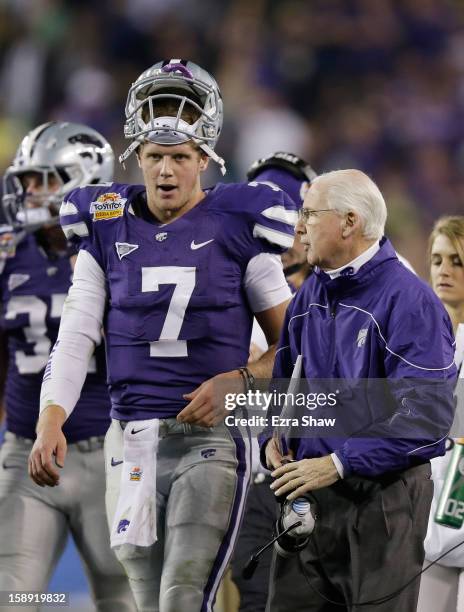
(367, 543)
(257, 529)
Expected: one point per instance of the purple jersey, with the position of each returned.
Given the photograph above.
(178, 312)
(33, 288)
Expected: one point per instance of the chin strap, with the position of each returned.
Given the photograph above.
(128, 152)
(210, 153)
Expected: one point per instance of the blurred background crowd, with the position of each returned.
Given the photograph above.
(376, 85)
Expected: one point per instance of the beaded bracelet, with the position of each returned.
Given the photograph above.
(248, 379)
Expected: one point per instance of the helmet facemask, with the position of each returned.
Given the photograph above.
(28, 209)
(174, 86)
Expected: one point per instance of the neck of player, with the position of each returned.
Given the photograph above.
(166, 212)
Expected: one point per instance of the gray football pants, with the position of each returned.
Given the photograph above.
(35, 523)
(201, 485)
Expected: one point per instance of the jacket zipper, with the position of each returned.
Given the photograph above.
(333, 312)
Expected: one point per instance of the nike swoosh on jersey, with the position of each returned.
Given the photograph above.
(136, 431)
(115, 463)
(194, 246)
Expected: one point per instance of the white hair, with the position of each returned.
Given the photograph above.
(352, 190)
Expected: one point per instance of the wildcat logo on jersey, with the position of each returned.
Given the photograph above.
(361, 340)
(107, 206)
(135, 474)
(208, 452)
(123, 525)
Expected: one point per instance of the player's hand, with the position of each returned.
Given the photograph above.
(305, 475)
(206, 402)
(274, 457)
(49, 450)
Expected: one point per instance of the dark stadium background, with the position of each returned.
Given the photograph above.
(345, 83)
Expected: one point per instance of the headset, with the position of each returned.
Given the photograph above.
(294, 527)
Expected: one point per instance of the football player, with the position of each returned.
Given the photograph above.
(175, 274)
(35, 274)
(293, 175)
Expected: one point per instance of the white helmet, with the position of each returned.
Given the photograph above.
(73, 154)
(186, 85)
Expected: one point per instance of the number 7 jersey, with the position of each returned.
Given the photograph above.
(177, 310)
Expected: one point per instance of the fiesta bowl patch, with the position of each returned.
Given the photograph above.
(135, 474)
(107, 206)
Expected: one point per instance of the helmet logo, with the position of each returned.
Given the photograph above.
(176, 66)
(89, 139)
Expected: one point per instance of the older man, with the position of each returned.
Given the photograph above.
(361, 315)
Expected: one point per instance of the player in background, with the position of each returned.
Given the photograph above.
(293, 175)
(35, 275)
(179, 273)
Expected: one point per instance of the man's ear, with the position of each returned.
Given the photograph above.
(204, 161)
(137, 154)
(350, 223)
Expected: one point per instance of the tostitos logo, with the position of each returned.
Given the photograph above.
(135, 474)
(108, 206)
(7, 245)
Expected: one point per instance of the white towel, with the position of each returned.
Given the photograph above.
(135, 518)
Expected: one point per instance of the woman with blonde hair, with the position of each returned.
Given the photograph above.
(442, 586)
(446, 250)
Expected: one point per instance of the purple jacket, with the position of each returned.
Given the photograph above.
(381, 323)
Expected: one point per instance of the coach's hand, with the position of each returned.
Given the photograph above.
(305, 475)
(49, 449)
(206, 402)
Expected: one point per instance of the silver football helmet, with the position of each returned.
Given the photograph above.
(69, 155)
(186, 85)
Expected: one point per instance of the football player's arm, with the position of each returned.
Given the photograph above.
(80, 331)
(268, 295)
(270, 321)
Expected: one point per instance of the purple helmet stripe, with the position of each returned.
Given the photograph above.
(178, 68)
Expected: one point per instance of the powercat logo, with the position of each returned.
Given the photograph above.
(108, 206)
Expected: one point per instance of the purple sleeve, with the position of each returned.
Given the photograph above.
(264, 220)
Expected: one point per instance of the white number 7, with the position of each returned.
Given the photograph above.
(168, 344)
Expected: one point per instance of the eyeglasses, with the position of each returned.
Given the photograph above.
(305, 214)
